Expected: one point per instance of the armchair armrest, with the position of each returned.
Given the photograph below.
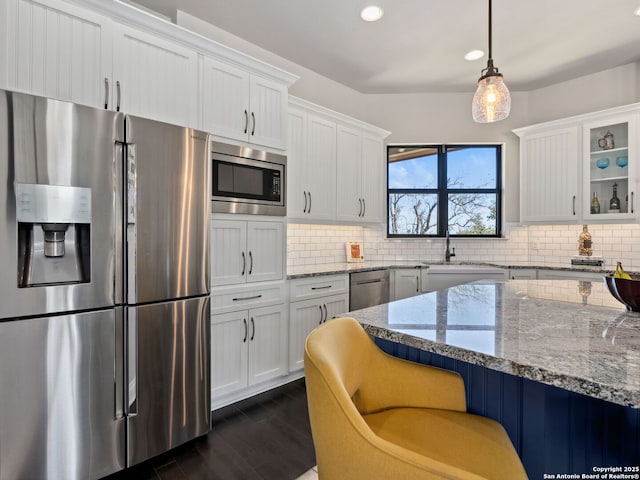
(393, 382)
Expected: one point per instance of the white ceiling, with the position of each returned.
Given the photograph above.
(419, 45)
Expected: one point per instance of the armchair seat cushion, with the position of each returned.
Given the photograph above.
(472, 443)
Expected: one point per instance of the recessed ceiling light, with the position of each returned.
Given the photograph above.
(474, 55)
(371, 13)
(637, 12)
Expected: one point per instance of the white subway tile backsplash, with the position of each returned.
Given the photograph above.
(537, 244)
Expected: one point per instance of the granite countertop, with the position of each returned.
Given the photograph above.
(568, 333)
(344, 267)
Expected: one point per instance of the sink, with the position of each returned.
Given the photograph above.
(462, 268)
(445, 275)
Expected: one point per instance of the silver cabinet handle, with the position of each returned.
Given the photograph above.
(250, 262)
(253, 329)
(244, 264)
(309, 211)
(246, 121)
(304, 210)
(118, 96)
(320, 307)
(253, 127)
(325, 313)
(631, 202)
(364, 207)
(246, 330)
(574, 205)
(360, 210)
(321, 288)
(106, 93)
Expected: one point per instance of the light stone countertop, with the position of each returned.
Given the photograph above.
(568, 333)
(316, 270)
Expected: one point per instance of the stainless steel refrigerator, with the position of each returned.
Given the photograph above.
(104, 291)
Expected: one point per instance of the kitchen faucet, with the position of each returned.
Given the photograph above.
(448, 254)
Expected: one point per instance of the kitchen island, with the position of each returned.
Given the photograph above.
(556, 362)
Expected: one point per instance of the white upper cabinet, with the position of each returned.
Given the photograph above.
(335, 166)
(360, 174)
(311, 166)
(243, 106)
(57, 50)
(549, 181)
(564, 164)
(154, 78)
(610, 165)
(108, 54)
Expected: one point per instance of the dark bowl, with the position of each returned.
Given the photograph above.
(625, 291)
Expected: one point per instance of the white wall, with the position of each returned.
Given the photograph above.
(598, 91)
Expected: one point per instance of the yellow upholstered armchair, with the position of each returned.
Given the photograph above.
(374, 416)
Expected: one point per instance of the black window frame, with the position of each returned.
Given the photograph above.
(443, 192)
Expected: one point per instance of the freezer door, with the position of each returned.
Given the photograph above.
(167, 213)
(61, 397)
(168, 383)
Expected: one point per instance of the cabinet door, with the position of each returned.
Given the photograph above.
(406, 283)
(373, 170)
(57, 50)
(349, 204)
(267, 343)
(264, 254)
(335, 305)
(320, 168)
(268, 102)
(228, 252)
(549, 176)
(155, 78)
(229, 352)
(225, 110)
(304, 316)
(297, 200)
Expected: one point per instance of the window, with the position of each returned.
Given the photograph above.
(435, 188)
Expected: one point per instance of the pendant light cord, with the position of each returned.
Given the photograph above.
(490, 56)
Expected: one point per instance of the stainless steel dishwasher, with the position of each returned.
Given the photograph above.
(368, 288)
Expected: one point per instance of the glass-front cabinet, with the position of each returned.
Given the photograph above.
(610, 169)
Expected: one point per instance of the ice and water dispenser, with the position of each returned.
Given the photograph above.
(54, 234)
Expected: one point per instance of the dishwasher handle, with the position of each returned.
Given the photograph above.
(366, 282)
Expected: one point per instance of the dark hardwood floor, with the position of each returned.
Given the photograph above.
(267, 437)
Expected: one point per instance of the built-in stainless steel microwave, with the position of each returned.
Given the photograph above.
(245, 180)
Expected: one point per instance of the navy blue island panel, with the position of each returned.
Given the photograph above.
(557, 433)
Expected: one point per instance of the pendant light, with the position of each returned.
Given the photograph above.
(491, 101)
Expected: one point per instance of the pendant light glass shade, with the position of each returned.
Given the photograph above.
(492, 101)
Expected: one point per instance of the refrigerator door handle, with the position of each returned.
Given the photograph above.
(118, 373)
(132, 212)
(131, 386)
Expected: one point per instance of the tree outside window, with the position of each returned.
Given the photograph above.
(435, 188)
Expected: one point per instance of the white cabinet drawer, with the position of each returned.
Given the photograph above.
(233, 298)
(312, 287)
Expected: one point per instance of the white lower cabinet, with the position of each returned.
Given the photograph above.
(314, 301)
(247, 347)
(406, 283)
